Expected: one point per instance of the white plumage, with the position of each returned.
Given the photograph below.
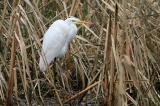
(56, 40)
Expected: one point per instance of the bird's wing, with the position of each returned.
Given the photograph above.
(54, 40)
(71, 34)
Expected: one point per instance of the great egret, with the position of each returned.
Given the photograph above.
(56, 40)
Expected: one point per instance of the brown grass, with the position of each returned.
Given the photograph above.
(120, 48)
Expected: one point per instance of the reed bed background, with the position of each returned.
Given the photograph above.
(113, 61)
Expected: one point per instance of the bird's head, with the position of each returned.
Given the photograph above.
(76, 20)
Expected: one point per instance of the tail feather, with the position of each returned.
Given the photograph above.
(42, 64)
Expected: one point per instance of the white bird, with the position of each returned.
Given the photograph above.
(56, 40)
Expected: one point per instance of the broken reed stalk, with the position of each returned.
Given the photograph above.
(115, 23)
(83, 91)
(120, 72)
(11, 75)
(109, 83)
(106, 59)
(12, 61)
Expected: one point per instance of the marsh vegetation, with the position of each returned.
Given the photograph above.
(113, 61)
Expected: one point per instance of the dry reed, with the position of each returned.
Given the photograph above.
(120, 48)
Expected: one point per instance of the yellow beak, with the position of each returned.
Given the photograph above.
(81, 22)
